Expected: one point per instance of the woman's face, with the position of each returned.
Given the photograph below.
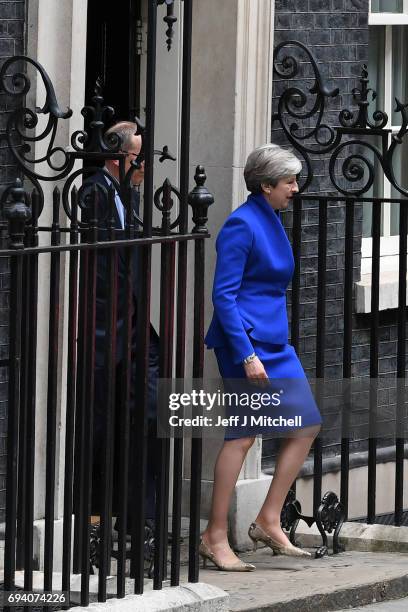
(279, 196)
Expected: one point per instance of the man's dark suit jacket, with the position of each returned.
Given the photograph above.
(102, 214)
(102, 281)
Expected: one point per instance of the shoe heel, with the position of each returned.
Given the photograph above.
(204, 562)
(254, 542)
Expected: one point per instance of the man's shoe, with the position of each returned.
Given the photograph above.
(94, 545)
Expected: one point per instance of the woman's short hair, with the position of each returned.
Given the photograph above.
(267, 164)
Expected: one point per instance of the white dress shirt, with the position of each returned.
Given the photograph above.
(119, 206)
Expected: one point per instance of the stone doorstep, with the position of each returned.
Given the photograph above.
(196, 597)
(373, 568)
(287, 584)
(280, 584)
(359, 536)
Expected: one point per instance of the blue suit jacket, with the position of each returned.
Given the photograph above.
(254, 267)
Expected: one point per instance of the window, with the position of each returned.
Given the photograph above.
(388, 12)
(387, 70)
(387, 6)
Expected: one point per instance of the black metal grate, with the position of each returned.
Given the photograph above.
(385, 519)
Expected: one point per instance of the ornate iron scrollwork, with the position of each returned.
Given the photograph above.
(165, 205)
(360, 97)
(293, 102)
(23, 120)
(95, 141)
(199, 199)
(95, 548)
(353, 167)
(329, 516)
(93, 144)
(170, 19)
(304, 126)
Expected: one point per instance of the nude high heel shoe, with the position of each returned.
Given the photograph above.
(257, 534)
(205, 553)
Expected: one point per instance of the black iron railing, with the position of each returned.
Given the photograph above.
(357, 150)
(80, 235)
(76, 234)
(345, 422)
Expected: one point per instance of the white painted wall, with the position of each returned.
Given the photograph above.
(167, 124)
(56, 37)
(231, 115)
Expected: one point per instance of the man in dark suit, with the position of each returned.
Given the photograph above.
(101, 181)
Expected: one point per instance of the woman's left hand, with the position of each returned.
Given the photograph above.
(255, 372)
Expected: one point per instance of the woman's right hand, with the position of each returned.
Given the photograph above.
(255, 371)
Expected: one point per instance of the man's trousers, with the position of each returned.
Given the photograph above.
(99, 434)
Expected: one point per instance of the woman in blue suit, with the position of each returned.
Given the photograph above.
(249, 333)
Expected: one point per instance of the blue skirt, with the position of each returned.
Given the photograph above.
(295, 407)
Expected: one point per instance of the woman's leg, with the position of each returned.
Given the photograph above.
(291, 457)
(226, 472)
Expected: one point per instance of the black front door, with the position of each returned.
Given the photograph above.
(113, 53)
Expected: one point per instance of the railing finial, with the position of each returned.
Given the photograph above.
(200, 199)
(17, 213)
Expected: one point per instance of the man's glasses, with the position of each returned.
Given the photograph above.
(130, 153)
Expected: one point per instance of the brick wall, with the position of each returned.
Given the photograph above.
(336, 32)
(12, 27)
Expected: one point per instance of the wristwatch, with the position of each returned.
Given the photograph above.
(249, 359)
